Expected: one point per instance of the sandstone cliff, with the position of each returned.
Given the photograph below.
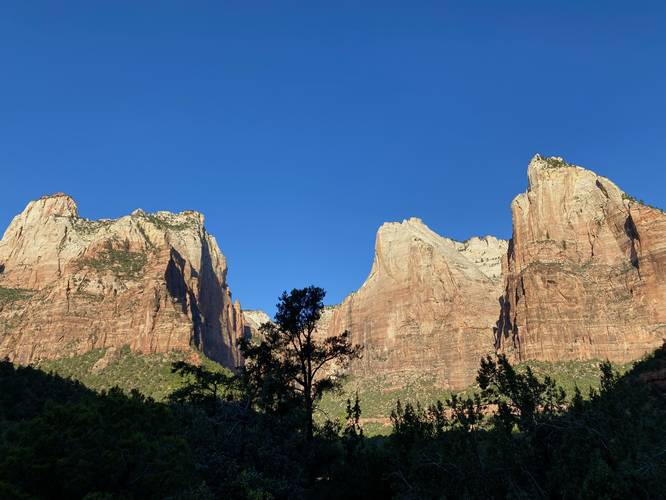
(253, 319)
(583, 277)
(428, 306)
(155, 282)
(585, 271)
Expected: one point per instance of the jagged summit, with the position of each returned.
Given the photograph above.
(546, 162)
(49, 233)
(55, 204)
(38, 213)
(55, 195)
(412, 229)
(540, 162)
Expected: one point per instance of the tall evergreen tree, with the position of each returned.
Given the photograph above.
(287, 366)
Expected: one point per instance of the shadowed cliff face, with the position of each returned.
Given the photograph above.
(155, 282)
(585, 270)
(428, 306)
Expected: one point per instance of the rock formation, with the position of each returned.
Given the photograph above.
(253, 319)
(428, 306)
(155, 282)
(585, 271)
(583, 277)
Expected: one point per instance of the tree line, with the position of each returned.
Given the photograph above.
(253, 435)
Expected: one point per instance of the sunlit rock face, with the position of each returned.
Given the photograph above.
(585, 273)
(428, 306)
(155, 282)
(583, 277)
(253, 319)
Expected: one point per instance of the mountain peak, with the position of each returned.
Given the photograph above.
(54, 204)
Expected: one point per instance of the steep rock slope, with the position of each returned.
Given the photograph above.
(585, 271)
(155, 282)
(428, 306)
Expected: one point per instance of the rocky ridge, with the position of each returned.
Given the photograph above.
(583, 277)
(155, 282)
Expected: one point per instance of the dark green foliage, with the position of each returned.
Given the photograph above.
(59, 440)
(207, 389)
(518, 437)
(521, 438)
(245, 436)
(353, 431)
(521, 398)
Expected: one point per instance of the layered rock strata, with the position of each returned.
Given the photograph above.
(428, 306)
(155, 282)
(583, 277)
(585, 273)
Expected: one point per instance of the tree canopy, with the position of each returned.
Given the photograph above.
(244, 435)
(288, 365)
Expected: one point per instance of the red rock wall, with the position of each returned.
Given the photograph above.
(155, 282)
(584, 272)
(426, 309)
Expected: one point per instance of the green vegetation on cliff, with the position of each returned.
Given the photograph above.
(8, 295)
(123, 263)
(555, 162)
(151, 375)
(169, 222)
(102, 369)
(628, 197)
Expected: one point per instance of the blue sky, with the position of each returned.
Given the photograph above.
(297, 128)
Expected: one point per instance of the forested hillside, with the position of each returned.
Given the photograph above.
(519, 437)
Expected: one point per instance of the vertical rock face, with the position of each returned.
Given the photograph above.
(155, 282)
(585, 270)
(584, 276)
(428, 306)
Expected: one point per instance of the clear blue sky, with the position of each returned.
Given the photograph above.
(297, 128)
